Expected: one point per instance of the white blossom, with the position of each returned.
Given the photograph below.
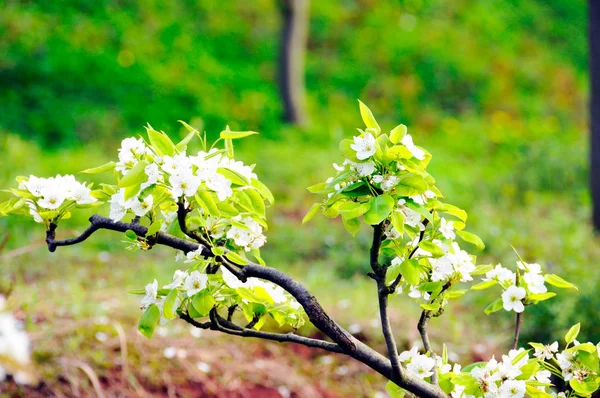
(418, 153)
(500, 273)
(184, 184)
(512, 389)
(178, 278)
(422, 366)
(364, 146)
(177, 164)
(447, 228)
(151, 292)
(143, 207)
(195, 282)
(221, 185)
(511, 298)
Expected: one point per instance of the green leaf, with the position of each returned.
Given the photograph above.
(368, 118)
(263, 190)
(234, 135)
(495, 306)
(356, 190)
(154, 227)
(398, 133)
(136, 175)
(452, 210)
(411, 185)
(149, 320)
(397, 152)
(586, 387)
(350, 210)
(217, 250)
(398, 221)
(432, 248)
(100, 169)
(236, 258)
(379, 208)
(170, 305)
(352, 225)
(182, 145)
(484, 285)
(257, 201)
(535, 393)
(314, 209)
(411, 271)
(346, 151)
(471, 238)
(541, 296)
(131, 235)
(206, 200)
(557, 281)
(394, 391)
(430, 307)
(482, 269)
(455, 293)
(321, 187)
(572, 333)
(160, 142)
(234, 176)
(203, 302)
(419, 209)
(132, 191)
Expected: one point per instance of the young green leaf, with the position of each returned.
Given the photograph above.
(394, 391)
(182, 145)
(203, 302)
(217, 250)
(398, 133)
(398, 221)
(149, 320)
(100, 169)
(170, 305)
(379, 208)
(154, 227)
(131, 235)
(471, 238)
(136, 175)
(368, 118)
(234, 135)
(314, 209)
(263, 190)
(484, 285)
(411, 271)
(160, 142)
(352, 225)
(350, 210)
(495, 306)
(236, 258)
(572, 333)
(557, 281)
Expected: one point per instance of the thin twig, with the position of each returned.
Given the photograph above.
(387, 330)
(422, 327)
(517, 330)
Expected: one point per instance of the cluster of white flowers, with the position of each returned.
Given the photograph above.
(456, 264)
(14, 346)
(191, 283)
(183, 176)
(531, 282)
(250, 237)
(570, 365)
(421, 365)
(501, 379)
(51, 193)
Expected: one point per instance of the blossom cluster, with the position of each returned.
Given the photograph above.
(52, 198)
(524, 287)
(210, 180)
(15, 348)
(226, 290)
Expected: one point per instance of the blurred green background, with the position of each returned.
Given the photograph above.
(496, 90)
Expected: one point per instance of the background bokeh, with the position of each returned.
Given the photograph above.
(495, 90)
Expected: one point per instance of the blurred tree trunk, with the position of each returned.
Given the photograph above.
(291, 59)
(594, 42)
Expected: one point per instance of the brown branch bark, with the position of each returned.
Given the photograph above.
(348, 344)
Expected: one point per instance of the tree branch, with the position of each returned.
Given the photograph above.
(386, 327)
(515, 343)
(348, 344)
(422, 327)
